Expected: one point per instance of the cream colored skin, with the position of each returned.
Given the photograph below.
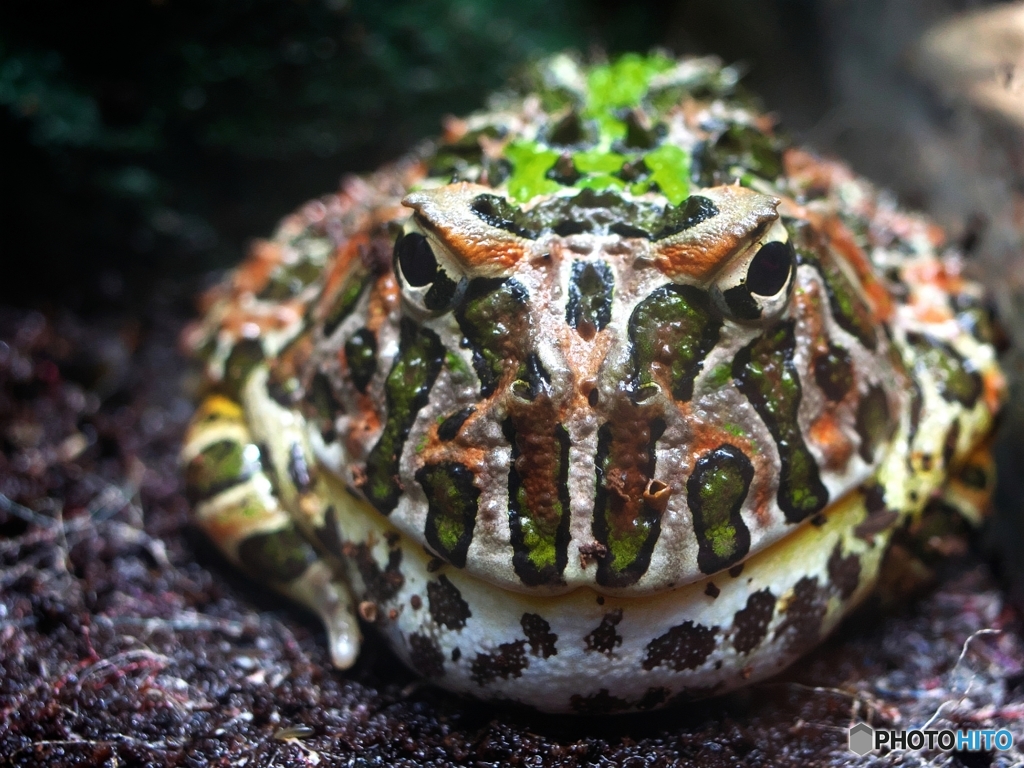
(579, 642)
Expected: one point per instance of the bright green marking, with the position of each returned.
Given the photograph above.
(530, 164)
(455, 364)
(849, 309)
(406, 390)
(955, 381)
(495, 324)
(622, 83)
(625, 547)
(220, 466)
(279, 555)
(720, 376)
(675, 327)
(598, 162)
(765, 373)
(346, 299)
(452, 498)
(735, 429)
(540, 543)
(720, 490)
(600, 181)
(670, 168)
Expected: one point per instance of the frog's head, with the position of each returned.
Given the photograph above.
(687, 374)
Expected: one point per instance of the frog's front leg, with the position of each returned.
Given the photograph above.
(240, 509)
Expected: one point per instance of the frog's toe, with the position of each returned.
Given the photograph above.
(320, 591)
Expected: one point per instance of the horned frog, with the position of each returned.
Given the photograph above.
(607, 398)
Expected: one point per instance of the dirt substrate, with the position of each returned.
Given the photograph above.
(126, 640)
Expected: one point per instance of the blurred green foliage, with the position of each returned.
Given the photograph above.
(140, 139)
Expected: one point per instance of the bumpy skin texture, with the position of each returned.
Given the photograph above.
(605, 399)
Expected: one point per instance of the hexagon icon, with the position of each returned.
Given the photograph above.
(862, 738)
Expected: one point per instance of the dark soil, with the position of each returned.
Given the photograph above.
(126, 640)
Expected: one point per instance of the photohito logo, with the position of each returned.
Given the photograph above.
(864, 738)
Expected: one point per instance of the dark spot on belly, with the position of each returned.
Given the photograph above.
(327, 534)
(750, 624)
(711, 590)
(800, 628)
(381, 585)
(604, 638)
(538, 633)
(600, 703)
(880, 518)
(843, 572)
(509, 660)
(736, 571)
(685, 646)
(447, 607)
(425, 655)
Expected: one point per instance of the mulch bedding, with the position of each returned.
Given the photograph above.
(126, 640)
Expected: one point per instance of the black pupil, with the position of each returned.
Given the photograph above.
(770, 268)
(419, 267)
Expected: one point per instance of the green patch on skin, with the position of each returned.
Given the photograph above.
(671, 332)
(598, 162)
(452, 501)
(493, 319)
(670, 169)
(624, 521)
(715, 492)
(220, 466)
(280, 556)
(538, 523)
(956, 381)
(245, 355)
(406, 390)
(455, 364)
(849, 309)
(624, 82)
(600, 181)
(720, 376)
(346, 299)
(530, 165)
(766, 374)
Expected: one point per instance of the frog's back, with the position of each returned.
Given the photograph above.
(570, 376)
(607, 397)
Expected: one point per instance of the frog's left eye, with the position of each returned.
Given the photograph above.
(425, 281)
(756, 285)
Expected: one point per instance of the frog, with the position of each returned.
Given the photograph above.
(608, 398)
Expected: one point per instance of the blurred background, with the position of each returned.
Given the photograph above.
(143, 142)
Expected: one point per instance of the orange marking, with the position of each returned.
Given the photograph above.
(827, 435)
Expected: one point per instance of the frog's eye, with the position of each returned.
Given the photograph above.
(426, 283)
(756, 285)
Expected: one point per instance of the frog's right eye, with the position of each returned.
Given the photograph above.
(425, 281)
